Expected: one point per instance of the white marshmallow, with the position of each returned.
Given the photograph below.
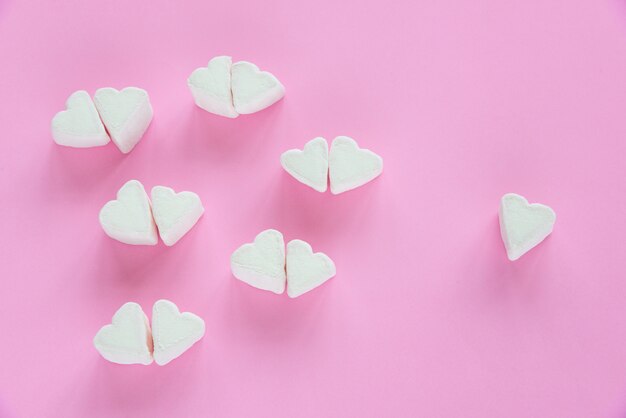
(523, 225)
(127, 340)
(128, 219)
(262, 263)
(306, 270)
(309, 166)
(79, 126)
(210, 87)
(254, 90)
(175, 213)
(350, 166)
(126, 114)
(173, 332)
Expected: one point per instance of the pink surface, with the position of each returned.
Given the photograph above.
(465, 101)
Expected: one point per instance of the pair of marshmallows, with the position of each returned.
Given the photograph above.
(228, 89)
(131, 218)
(129, 339)
(347, 165)
(522, 225)
(263, 264)
(124, 114)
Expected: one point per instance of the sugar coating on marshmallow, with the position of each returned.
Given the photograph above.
(523, 225)
(309, 165)
(173, 332)
(306, 270)
(128, 219)
(127, 340)
(261, 264)
(210, 87)
(126, 114)
(79, 126)
(253, 89)
(350, 166)
(175, 213)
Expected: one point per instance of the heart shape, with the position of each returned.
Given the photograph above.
(127, 340)
(126, 114)
(173, 332)
(175, 213)
(350, 166)
(128, 219)
(253, 89)
(210, 87)
(261, 264)
(309, 165)
(306, 270)
(523, 225)
(79, 126)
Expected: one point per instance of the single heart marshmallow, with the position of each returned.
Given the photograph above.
(210, 87)
(127, 340)
(175, 213)
(126, 114)
(79, 126)
(253, 89)
(261, 264)
(173, 332)
(306, 270)
(350, 166)
(309, 165)
(523, 225)
(128, 219)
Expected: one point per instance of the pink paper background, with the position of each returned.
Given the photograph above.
(465, 101)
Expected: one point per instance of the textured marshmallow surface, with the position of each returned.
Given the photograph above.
(210, 87)
(306, 270)
(309, 165)
(128, 219)
(350, 166)
(253, 89)
(127, 340)
(126, 114)
(173, 332)
(523, 225)
(175, 213)
(261, 264)
(79, 126)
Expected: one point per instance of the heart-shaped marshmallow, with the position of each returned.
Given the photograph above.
(128, 219)
(173, 332)
(253, 89)
(210, 87)
(523, 225)
(309, 165)
(261, 264)
(79, 126)
(126, 114)
(306, 270)
(350, 166)
(127, 340)
(175, 213)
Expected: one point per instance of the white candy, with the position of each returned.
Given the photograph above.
(262, 263)
(254, 90)
(210, 87)
(173, 332)
(175, 213)
(79, 126)
(309, 166)
(127, 340)
(523, 225)
(126, 114)
(350, 166)
(306, 270)
(129, 218)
